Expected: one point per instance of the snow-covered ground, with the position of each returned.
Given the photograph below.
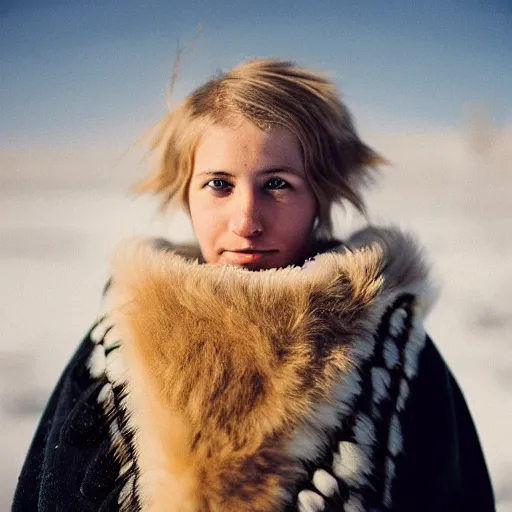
(55, 243)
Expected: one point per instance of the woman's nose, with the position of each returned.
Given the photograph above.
(246, 218)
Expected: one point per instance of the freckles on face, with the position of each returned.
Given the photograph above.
(249, 200)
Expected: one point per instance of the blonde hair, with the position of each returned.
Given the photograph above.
(268, 93)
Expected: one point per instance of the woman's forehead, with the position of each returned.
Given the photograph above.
(247, 147)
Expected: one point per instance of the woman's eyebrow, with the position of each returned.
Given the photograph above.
(275, 170)
(208, 172)
(272, 170)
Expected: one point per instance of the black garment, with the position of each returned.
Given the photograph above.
(69, 468)
(444, 467)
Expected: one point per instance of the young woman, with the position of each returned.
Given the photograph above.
(310, 385)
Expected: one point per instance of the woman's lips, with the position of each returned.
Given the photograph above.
(244, 257)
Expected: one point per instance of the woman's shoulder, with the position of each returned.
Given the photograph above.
(68, 464)
(444, 467)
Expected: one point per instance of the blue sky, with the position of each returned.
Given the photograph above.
(93, 70)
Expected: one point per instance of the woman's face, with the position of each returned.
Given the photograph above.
(249, 200)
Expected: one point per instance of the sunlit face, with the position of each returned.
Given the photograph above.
(249, 199)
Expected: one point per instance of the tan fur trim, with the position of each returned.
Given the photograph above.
(227, 368)
(403, 266)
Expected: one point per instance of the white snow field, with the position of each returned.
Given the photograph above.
(59, 222)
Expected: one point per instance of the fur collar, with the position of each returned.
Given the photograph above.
(234, 380)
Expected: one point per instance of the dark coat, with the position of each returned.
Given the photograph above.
(70, 466)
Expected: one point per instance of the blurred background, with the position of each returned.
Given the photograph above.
(429, 85)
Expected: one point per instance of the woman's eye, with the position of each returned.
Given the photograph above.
(218, 184)
(277, 184)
